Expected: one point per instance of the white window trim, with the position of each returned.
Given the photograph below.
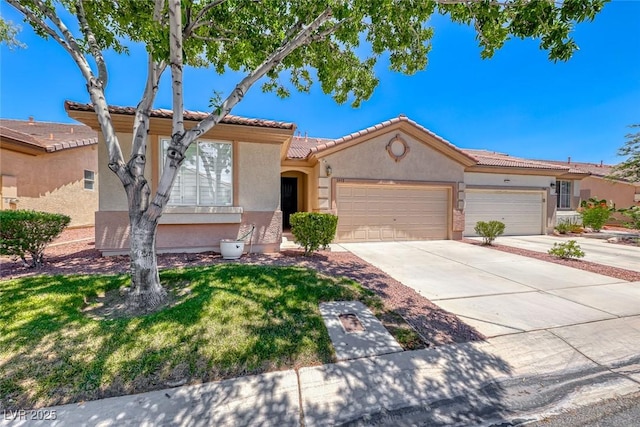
(161, 161)
(559, 194)
(88, 180)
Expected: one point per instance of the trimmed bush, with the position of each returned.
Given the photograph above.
(489, 230)
(567, 250)
(25, 233)
(313, 230)
(595, 213)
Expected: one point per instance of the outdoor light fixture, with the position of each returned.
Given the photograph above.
(328, 170)
(552, 185)
(507, 180)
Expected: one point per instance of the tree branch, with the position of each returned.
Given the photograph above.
(190, 27)
(93, 44)
(94, 86)
(176, 60)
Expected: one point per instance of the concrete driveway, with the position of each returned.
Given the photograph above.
(596, 250)
(500, 293)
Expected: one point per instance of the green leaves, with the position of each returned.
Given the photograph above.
(550, 22)
(630, 168)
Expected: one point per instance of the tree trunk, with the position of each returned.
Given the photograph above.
(145, 292)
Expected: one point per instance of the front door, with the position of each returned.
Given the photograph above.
(288, 199)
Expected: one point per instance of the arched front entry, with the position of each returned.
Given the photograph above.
(293, 195)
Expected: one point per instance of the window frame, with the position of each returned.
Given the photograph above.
(91, 180)
(197, 143)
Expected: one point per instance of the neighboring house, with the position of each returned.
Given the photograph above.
(229, 181)
(50, 167)
(622, 193)
(399, 181)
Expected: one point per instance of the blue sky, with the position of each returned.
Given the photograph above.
(518, 102)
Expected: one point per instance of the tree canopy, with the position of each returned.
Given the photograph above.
(629, 169)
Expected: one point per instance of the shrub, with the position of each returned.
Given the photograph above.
(489, 230)
(569, 225)
(563, 227)
(25, 232)
(313, 230)
(567, 250)
(594, 213)
(633, 213)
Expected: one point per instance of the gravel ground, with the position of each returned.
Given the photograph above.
(74, 253)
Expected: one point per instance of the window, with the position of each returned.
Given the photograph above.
(205, 177)
(563, 190)
(89, 180)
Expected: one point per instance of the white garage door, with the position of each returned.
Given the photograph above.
(522, 212)
(371, 212)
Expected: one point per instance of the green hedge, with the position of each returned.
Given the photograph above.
(313, 230)
(25, 233)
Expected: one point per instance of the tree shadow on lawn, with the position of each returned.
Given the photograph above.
(234, 320)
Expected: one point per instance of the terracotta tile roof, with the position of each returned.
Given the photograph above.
(188, 115)
(492, 158)
(597, 169)
(401, 118)
(301, 146)
(47, 136)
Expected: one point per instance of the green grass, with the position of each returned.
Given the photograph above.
(227, 320)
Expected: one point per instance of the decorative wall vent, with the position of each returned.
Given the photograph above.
(397, 148)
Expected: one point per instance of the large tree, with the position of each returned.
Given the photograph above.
(286, 44)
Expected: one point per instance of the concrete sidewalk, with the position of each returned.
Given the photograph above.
(514, 377)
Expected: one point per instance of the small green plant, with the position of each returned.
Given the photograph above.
(25, 233)
(595, 213)
(489, 230)
(563, 227)
(567, 250)
(313, 230)
(633, 213)
(570, 225)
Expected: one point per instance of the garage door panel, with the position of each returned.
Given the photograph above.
(372, 212)
(522, 212)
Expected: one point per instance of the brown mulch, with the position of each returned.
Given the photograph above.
(74, 253)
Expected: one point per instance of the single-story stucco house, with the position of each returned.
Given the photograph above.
(49, 167)
(393, 181)
(599, 184)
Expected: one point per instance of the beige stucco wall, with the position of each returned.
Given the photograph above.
(112, 195)
(513, 180)
(258, 176)
(370, 160)
(54, 182)
(621, 194)
(194, 229)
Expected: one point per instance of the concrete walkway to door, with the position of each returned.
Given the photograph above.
(500, 293)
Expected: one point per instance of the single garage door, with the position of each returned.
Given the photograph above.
(522, 212)
(374, 212)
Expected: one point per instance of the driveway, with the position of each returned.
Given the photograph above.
(500, 293)
(596, 250)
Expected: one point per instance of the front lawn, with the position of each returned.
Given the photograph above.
(58, 345)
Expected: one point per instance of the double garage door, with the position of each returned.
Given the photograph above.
(522, 212)
(375, 212)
